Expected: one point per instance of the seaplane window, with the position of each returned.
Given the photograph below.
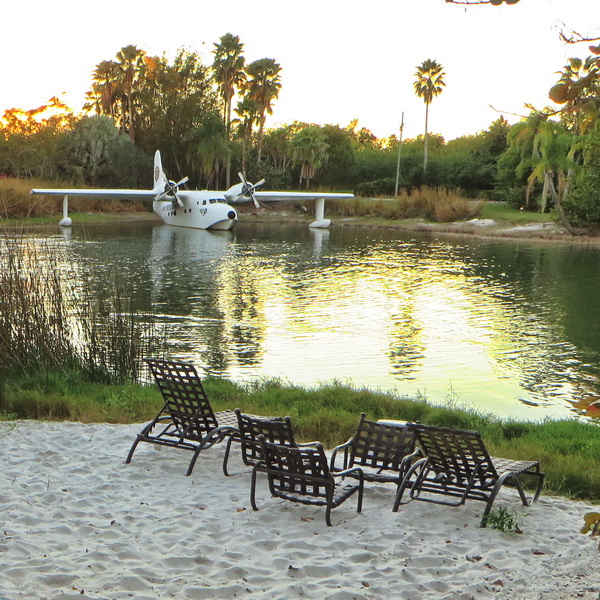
(203, 202)
(212, 200)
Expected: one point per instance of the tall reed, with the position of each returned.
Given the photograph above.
(48, 323)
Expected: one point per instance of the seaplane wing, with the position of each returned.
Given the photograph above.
(319, 198)
(248, 192)
(274, 196)
(81, 193)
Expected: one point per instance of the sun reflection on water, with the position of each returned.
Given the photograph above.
(494, 325)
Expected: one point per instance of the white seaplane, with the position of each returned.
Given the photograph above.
(199, 209)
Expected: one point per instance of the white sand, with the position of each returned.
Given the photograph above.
(76, 522)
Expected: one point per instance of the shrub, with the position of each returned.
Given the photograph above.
(433, 204)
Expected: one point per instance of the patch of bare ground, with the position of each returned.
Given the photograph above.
(478, 228)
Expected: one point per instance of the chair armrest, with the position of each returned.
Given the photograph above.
(408, 460)
(345, 447)
(356, 471)
(417, 452)
(304, 444)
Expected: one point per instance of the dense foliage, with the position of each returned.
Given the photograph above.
(209, 122)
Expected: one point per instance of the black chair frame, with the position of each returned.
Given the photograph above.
(385, 452)
(275, 430)
(301, 474)
(457, 465)
(186, 420)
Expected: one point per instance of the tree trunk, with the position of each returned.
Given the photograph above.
(228, 127)
(425, 146)
(130, 111)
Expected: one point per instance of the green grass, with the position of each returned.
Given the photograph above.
(568, 450)
(502, 212)
(504, 520)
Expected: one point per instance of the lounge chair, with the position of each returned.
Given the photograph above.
(384, 451)
(276, 430)
(302, 475)
(186, 420)
(457, 465)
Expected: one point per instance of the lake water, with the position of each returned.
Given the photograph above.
(511, 327)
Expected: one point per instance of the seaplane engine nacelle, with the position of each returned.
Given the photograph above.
(243, 190)
(171, 188)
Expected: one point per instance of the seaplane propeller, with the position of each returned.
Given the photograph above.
(170, 190)
(247, 190)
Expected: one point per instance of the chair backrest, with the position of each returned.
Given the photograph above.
(293, 471)
(183, 393)
(455, 451)
(275, 430)
(380, 445)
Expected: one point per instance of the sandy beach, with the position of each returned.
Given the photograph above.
(77, 522)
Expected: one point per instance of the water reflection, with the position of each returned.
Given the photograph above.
(510, 327)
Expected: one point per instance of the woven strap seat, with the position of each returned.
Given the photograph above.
(516, 466)
(341, 492)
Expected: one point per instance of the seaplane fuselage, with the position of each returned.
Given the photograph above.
(199, 210)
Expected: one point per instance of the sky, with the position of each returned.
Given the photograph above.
(341, 60)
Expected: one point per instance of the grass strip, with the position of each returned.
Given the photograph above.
(568, 450)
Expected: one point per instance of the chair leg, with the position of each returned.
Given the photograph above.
(193, 461)
(132, 450)
(538, 491)
(253, 490)
(214, 437)
(226, 457)
(407, 483)
(501, 481)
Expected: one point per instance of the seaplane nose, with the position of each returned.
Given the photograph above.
(231, 215)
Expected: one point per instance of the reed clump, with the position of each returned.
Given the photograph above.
(433, 204)
(48, 325)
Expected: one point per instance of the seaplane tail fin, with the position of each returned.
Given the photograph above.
(159, 175)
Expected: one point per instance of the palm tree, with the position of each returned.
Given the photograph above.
(229, 74)
(131, 64)
(276, 144)
(208, 147)
(92, 143)
(310, 149)
(104, 92)
(263, 87)
(552, 163)
(228, 68)
(429, 83)
(248, 112)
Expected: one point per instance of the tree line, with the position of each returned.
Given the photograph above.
(209, 122)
